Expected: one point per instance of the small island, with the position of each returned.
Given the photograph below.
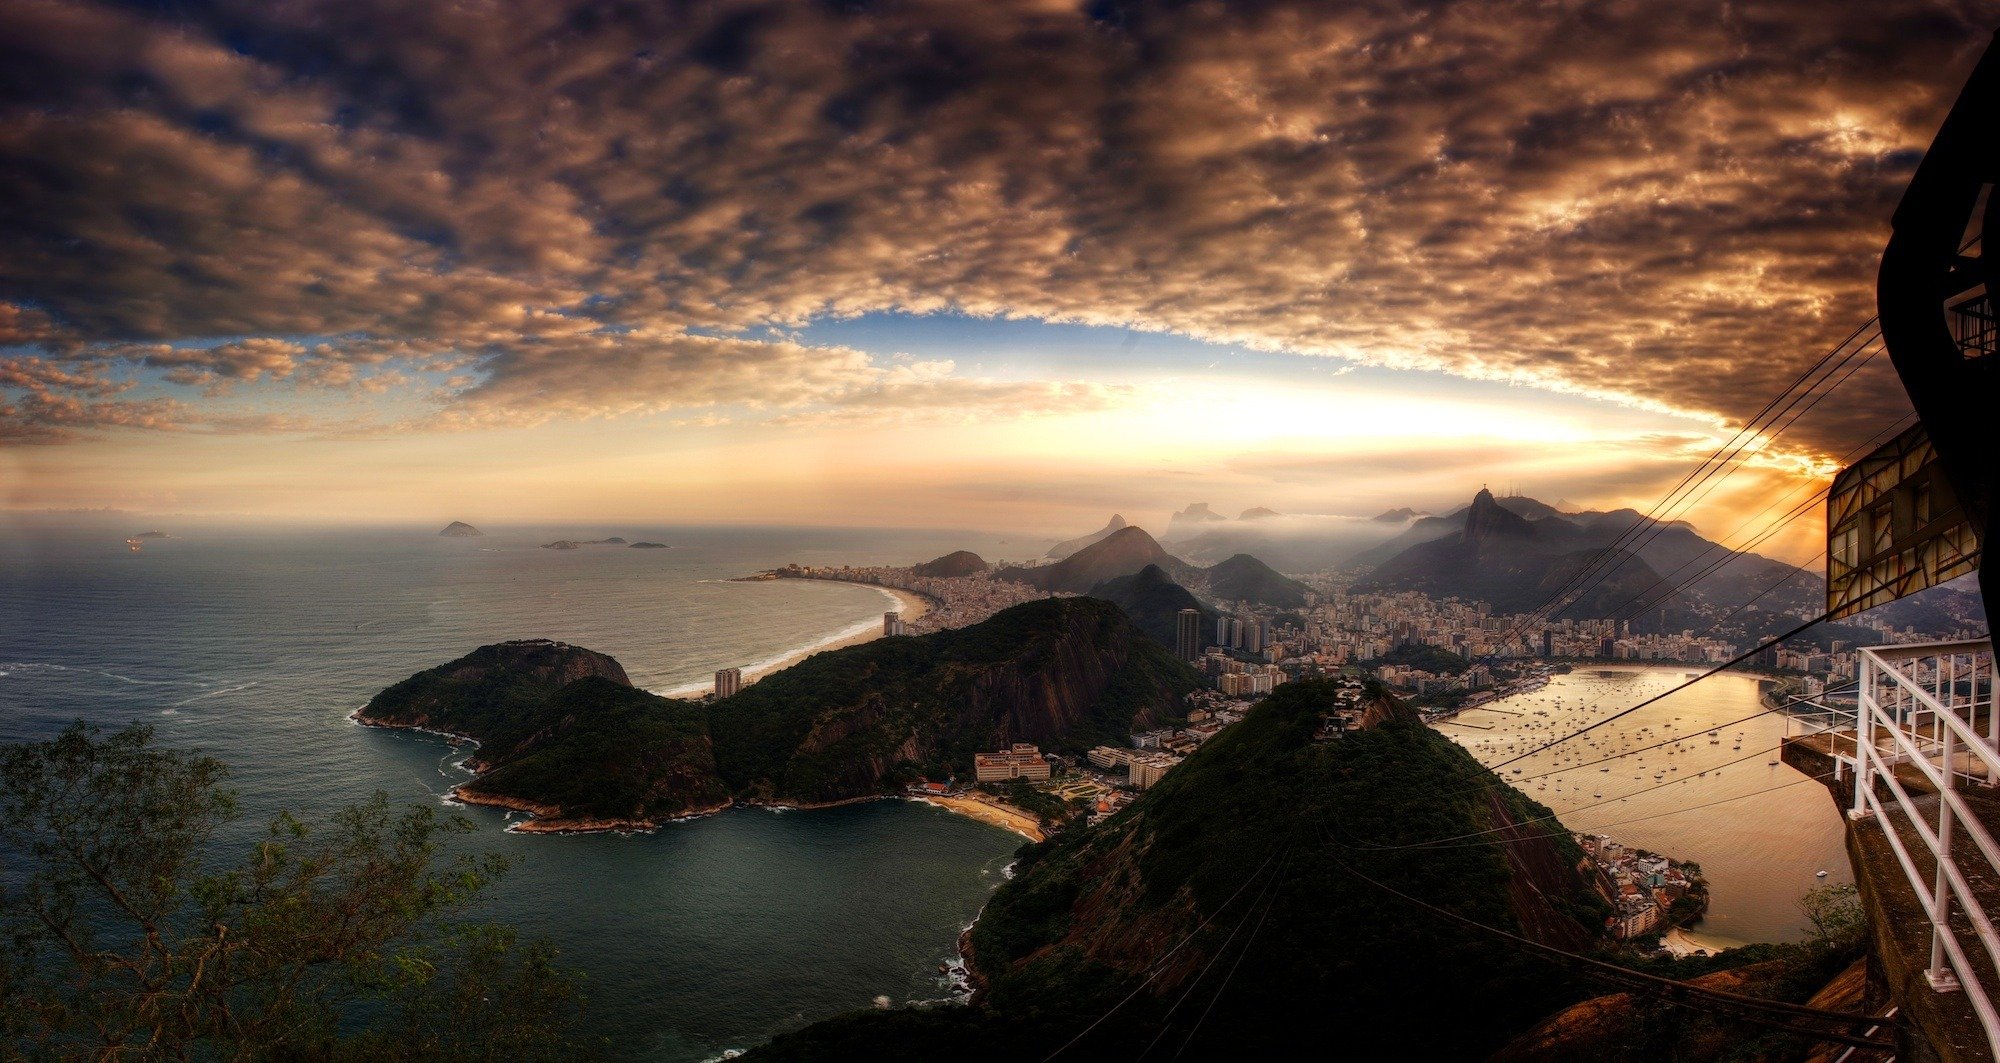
(577, 544)
(152, 535)
(458, 529)
(650, 546)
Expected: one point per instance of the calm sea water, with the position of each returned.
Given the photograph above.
(1760, 831)
(255, 645)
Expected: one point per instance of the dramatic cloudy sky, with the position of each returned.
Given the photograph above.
(1013, 262)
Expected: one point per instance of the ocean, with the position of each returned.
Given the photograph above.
(254, 645)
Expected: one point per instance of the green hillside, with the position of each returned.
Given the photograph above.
(1224, 898)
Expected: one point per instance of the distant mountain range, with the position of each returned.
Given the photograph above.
(1518, 552)
(1130, 550)
(1501, 557)
(1122, 553)
(1069, 546)
(1189, 521)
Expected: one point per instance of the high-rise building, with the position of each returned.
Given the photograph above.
(1548, 642)
(892, 623)
(728, 681)
(1187, 635)
(1255, 634)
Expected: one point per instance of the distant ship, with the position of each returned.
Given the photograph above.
(134, 544)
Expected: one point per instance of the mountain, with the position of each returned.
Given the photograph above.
(564, 735)
(1223, 915)
(952, 565)
(1259, 513)
(1069, 546)
(1064, 673)
(1153, 602)
(458, 529)
(1397, 516)
(1121, 553)
(1502, 557)
(1189, 521)
(1244, 578)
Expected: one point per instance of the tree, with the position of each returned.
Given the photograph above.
(123, 940)
(1839, 923)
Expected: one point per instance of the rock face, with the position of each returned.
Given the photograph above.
(458, 529)
(1069, 546)
(955, 564)
(563, 733)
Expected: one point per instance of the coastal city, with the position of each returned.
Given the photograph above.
(1441, 652)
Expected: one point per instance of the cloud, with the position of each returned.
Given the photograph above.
(1671, 204)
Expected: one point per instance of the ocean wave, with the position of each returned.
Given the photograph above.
(46, 666)
(213, 693)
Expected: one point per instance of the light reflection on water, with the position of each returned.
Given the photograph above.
(1764, 830)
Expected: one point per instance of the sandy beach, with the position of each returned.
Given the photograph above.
(1682, 942)
(986, 811)
(912, 606)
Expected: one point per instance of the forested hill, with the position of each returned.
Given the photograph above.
(1063, 673)
(564, 735)
(1224, 896)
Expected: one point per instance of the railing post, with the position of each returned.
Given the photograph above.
(1864, 736)
(1940, 974)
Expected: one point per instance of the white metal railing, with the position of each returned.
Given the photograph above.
(1928, 710)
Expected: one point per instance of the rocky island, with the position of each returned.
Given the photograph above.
(459, 529)
(564, 735)
(577, 544)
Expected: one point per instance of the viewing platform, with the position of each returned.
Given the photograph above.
(1915, 765)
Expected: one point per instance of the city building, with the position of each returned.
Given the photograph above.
(728, 681)
(1021, 761)
(1187, 635)
(1146, 769)
(892, 623)
(1110, 758)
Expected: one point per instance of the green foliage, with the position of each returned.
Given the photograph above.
(1261, 828)
(611, 752)
(121, 938)
(1434, 659)
(1839, 923)
(818, 730)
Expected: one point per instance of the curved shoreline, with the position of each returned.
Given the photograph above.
(991, 813)
(911, 605)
